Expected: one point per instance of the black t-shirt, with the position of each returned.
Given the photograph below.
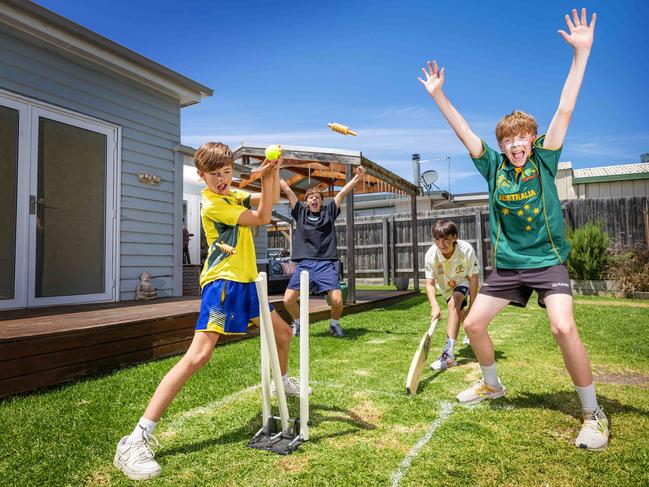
(315, 235)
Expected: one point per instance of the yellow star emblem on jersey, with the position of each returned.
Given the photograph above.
(519, 212)
(529, 218)
(505, 211)
(527, 206)
(536, 211)
(528, 228)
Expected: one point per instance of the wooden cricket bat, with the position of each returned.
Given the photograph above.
(419, 360)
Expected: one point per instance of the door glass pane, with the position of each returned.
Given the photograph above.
(71, 222)
(9, 182)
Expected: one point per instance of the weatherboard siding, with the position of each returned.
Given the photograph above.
(150, 129)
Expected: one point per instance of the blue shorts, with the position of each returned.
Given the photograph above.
(227, 307)
(322, 275)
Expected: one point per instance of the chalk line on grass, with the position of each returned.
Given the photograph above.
(179, 420)
(445, 411)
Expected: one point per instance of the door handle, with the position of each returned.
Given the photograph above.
(34, 203)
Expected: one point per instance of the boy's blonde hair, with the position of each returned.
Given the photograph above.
(314, 190)
(212, 156)
(515, 123)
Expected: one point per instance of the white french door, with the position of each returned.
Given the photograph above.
(59, 171)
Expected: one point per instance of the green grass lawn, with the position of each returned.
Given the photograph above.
(363, 424)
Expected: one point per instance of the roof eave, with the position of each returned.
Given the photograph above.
(615, 177)
(64, 34)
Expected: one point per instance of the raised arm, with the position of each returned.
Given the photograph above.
(263, 213)
(434, 79)
(581, 39)
(256, 197)
(292, 199)
(358, 177)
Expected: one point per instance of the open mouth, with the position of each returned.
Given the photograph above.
(221, 188)
(518, 156)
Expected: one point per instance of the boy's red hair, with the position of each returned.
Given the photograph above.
(514, 124)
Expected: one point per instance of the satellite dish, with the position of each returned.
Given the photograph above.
(428, 179)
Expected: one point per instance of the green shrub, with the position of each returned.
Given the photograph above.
(631, 269)
(588, 251)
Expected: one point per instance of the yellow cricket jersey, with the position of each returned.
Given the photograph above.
(219, 215)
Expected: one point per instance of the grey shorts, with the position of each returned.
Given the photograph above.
(517, 285)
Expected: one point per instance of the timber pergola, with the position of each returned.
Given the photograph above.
(330, 170)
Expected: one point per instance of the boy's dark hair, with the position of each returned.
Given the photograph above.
(444, 228)
(314, 190)
(212, 156)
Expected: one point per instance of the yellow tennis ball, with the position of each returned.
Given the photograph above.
(273, 152)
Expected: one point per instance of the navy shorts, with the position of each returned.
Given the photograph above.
(463, 290)
(517, 285)
(227, 307)
(322, 275)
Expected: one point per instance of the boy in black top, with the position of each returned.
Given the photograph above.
(314, 249)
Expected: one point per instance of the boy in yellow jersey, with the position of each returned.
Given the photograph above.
(229, 300)
(526, 226)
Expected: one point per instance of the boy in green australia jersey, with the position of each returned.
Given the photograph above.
(526, 225)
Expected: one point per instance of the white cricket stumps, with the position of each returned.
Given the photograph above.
(293, 431)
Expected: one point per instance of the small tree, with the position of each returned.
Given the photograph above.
(644, 157)
(588, 251)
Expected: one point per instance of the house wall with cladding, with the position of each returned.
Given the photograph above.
(150, 123)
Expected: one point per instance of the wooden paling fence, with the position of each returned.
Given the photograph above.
(383, 245)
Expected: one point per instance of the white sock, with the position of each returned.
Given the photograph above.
(142, 425)
(587, 397)
(334, 322)
(297, 322)
(450, 344)
(489, 375)
(285, 379)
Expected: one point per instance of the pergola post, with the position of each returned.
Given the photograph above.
(349, 239)
(415, 242)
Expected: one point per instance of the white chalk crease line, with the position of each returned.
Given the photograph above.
(445, 411)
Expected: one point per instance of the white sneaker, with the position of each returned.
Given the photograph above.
(136, 459)
(291, 387)
(445, 360)
(479, 391)
(466, 340)
(594, 431)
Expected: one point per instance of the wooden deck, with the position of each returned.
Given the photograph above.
(47, 346)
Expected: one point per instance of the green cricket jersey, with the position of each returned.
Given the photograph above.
(525, 217)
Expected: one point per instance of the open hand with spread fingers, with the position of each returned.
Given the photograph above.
(433, 78)
(581, 34)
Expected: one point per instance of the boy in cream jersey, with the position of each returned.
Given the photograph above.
(451, 268)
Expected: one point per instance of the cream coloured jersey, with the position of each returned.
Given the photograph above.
(449, 273)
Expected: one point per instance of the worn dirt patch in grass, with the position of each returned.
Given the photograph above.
(473, 371)
(99, 477)
(294, 463)
(362, 373)
(367, 412)
(630, 304)
(602, 376)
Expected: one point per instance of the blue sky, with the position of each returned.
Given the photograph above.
(281, 70)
